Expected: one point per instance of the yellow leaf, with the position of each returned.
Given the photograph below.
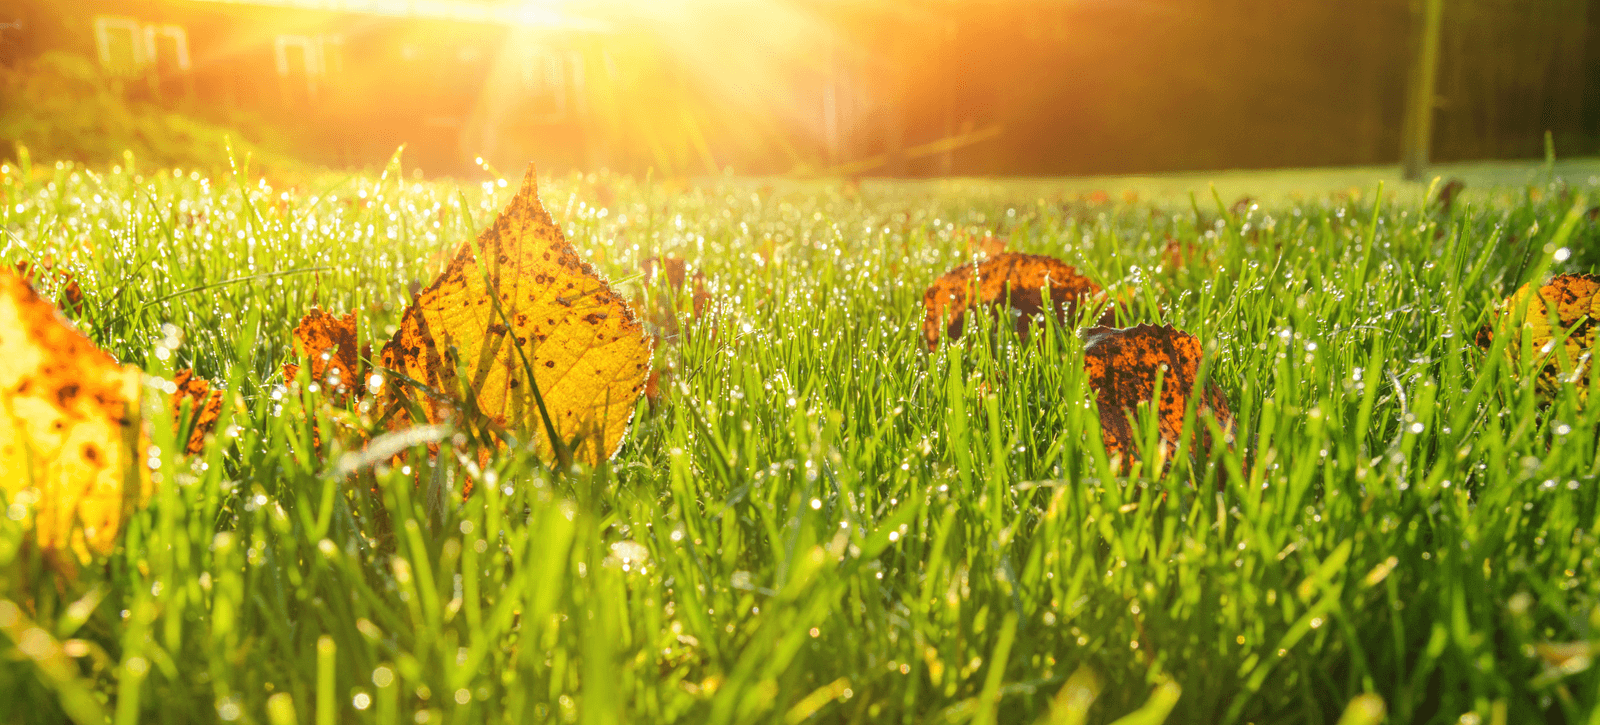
(518, 299)
(69, 429)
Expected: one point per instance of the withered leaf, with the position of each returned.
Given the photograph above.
(515, 300)
(1123, 365)
(1009, 282)
(984, 245)
(673, 267)
(69, 433)
(1446, 196)
(205, 407)
(328, 344)
(1576, 305)
(71, 299)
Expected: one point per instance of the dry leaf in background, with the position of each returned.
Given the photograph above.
(69, 430)
(1562, 354)
(71, 299)
(205, 406)
(1177, 254)
(1123, 365)
(518, 299)
(1009, 283)
(672, 267)
(984, 244)
(1447, 194)
(328, 344)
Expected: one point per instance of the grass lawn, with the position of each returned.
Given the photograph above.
(821, 520)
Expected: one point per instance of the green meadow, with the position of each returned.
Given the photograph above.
(821, 520)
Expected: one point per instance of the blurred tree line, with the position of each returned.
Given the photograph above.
(1092, 86)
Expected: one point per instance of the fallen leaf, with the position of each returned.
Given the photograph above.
(69, 434)
(71, 299)
(328, 344)
(701, 298)
(658, 387)
(1446, 196)
(1123, 365)
(1180, 253)
(985, 245)
(1577, 309)
(1007, 283)
(515, 300)
(205, 406)
(672, 267)
(1570, 656)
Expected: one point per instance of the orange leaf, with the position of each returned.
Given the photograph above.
(1008, 281)
(1576, 304)
(205, 407)
(514, 301)
(1123, 365)
(69, 434)
(328, 344)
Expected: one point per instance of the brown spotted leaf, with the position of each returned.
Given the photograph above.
(518, 300)
(328, 344)
(1123, 365)
(69, 433)
(205, 407)
(1009, 283)
(1561, 354)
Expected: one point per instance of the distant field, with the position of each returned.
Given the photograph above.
(1486, 181)
(820, 520)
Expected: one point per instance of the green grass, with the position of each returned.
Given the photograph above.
(824, 520)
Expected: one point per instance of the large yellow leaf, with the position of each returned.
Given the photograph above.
(518, 299)
(68, 427)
